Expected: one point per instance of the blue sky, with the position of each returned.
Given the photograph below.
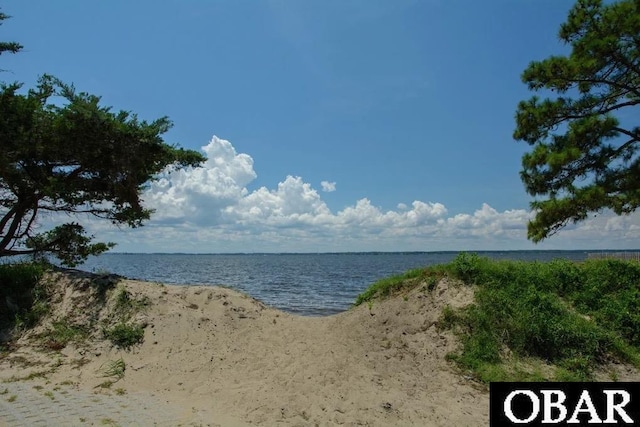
(341, 125)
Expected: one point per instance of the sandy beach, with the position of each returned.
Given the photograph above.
(226, 359)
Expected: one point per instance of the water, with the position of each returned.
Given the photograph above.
(307, 284)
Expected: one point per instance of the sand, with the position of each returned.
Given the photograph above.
(227, 359)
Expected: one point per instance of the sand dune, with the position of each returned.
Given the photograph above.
(227, 359)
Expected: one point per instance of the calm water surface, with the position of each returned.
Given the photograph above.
(307, 284)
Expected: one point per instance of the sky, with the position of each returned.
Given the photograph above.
(329, 126)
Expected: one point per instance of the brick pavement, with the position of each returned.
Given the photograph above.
(25, 403)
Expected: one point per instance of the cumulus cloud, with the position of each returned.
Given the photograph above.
(488, 222)
(292, 202)
(199, 194)
(210, 209)
(327, 186)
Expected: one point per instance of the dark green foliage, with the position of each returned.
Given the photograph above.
(125, 335)
(68, 242)
(584, 157)
(23, 298)
(11, 47)
(74, 157)
(18, 277)
(611, 293)
(467, 267)
(62, 152)
(573, 315)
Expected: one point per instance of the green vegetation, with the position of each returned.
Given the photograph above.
(394, 284)
(23, 296)
(63, 152)
(584, 155)
(11, 47)
(125, 304)
(125, 335)
(114, 369)
(119, 327)
(68, 157)
(574, 315)
(62, 333)
(534, 321)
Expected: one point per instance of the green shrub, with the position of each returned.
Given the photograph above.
(20, 276)
(23, 298)
(125, 335)
(467, 267)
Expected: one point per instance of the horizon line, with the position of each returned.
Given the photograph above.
(372, 252)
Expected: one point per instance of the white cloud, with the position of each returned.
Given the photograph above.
(210, 209)
(198, 194)
(293, 202)
(328, 187)
(488, 222)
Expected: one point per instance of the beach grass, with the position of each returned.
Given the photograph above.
(428, 277)
(63, 332)
(534, 321)
(114, 369)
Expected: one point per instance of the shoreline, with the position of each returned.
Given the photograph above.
(300, 283)
(222, 357)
